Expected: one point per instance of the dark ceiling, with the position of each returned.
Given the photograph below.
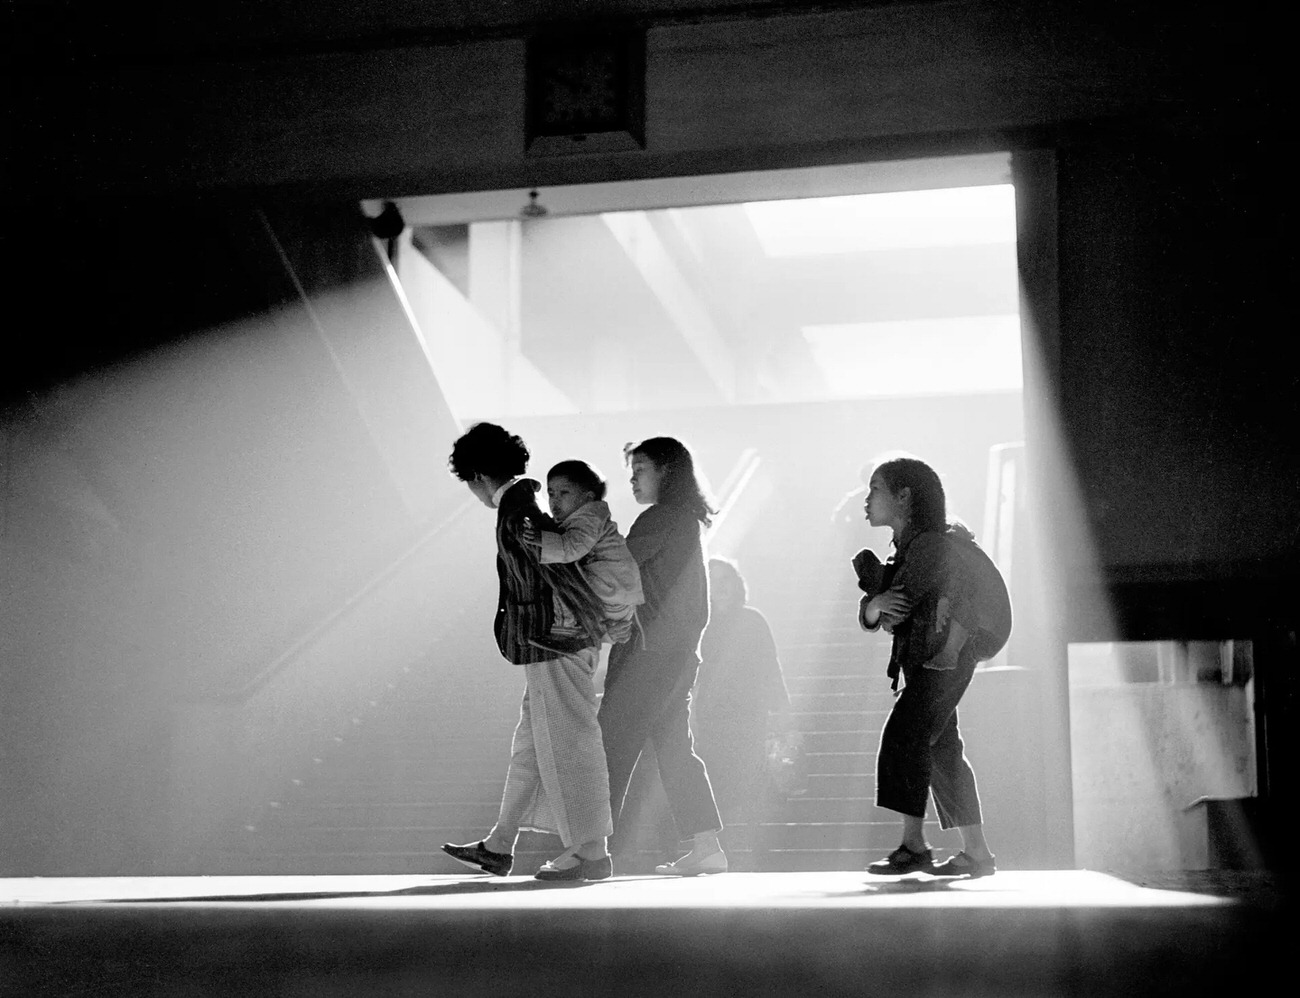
(80, 31)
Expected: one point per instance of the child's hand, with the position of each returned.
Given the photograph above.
(892, 605)
(529, 534)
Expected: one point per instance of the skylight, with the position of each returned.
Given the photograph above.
(962, 216)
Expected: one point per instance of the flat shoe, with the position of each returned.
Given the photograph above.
(714, 862)
(478, 857)
(584, 869)
(963, 865)
(903, 860)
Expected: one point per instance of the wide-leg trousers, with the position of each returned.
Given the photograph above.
(557, 780)
(647, 700)
(921, 750)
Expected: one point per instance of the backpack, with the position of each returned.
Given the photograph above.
(978, 595)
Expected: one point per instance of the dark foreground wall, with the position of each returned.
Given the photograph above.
(1177, 391)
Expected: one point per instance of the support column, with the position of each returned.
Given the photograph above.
(495, 282)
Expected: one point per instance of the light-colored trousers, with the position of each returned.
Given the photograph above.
(557, 782)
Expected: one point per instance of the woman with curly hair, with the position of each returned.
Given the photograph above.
(549, 622)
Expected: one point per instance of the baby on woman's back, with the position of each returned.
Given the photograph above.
(590, 538)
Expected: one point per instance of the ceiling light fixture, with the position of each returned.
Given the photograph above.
(532, 209)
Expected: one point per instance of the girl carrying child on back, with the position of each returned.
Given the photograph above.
(590, 537)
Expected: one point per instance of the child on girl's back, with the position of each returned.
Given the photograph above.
(590, 538)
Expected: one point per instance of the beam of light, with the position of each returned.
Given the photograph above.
(1123, 804)
(963, 216)
(179, 521)
(482, 373)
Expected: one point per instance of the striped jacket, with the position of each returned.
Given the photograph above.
(543, 611)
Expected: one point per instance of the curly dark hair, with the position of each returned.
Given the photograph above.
(679, 486)
(581, 474)
(489, 450)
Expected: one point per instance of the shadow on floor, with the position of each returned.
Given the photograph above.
(426, 890)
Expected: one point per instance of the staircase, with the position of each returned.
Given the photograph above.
(840, 697)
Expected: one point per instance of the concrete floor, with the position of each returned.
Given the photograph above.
(1066, 932)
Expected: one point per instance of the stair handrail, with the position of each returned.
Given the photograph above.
(307, 636)
(733, 486)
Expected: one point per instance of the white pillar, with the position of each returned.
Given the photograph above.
(495, 280)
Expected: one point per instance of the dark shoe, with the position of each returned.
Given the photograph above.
(586, 869)
(962, 865)
(903, 860)
(480, 858)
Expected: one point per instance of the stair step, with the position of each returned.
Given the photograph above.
(834, 683)
(833, 836)
(815, 702)
(849, 720)
(822, 742)
(840, 763)
(826, 809)
(386, 815)
(338, 791)
(840, 785)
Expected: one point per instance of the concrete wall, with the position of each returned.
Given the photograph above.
(1144, 751)
(1176, 407)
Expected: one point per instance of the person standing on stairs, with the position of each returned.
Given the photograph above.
(740, 699)
(549, 622)
(649, 678)
(942, 624)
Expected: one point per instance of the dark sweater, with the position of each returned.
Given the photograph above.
(919, 567)
(666, 541)
(949, 579)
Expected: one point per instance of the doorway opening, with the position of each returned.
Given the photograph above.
(791, 327)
